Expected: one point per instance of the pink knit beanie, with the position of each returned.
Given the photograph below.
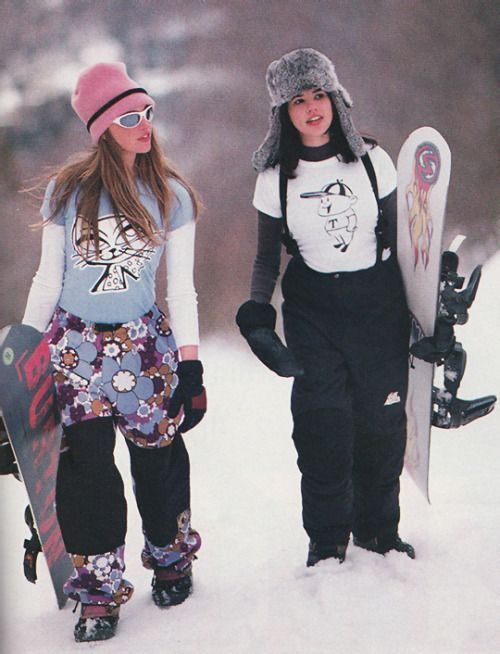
(102, 93)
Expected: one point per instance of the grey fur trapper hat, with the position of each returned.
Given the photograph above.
(289, 76)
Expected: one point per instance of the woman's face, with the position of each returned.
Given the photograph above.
(133, 140)
(311, 114)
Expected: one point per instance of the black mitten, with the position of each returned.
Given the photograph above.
(189, 394)
(257, 322)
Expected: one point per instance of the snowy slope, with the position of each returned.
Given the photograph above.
(253, 593)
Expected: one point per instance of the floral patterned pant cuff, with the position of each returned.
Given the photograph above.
(98, 579)
(179, 554)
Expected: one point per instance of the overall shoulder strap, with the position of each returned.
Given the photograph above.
(367, 163)
(286, 238)
(283, 191)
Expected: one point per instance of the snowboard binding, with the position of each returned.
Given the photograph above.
(448, 411)
(442, 348)
(32, 548)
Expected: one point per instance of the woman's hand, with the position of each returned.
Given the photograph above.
(257, 322)
(190, 395)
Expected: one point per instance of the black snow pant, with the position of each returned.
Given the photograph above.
(90, 500)
(350, 332)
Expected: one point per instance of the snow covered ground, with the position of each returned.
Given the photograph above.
(253, 593)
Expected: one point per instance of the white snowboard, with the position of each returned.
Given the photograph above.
(423, 176)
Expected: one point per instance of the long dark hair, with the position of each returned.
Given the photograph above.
(290, 144)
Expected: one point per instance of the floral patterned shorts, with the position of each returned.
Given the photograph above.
(126, 371)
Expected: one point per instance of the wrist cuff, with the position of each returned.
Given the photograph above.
(252, 315)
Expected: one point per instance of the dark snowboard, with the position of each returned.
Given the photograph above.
(27, 403)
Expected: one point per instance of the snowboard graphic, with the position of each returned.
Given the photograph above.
(28, 407)
(423, 175)
(435, 299)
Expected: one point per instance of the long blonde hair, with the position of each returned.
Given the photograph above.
(103, 168)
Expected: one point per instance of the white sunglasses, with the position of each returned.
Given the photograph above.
(133, 118)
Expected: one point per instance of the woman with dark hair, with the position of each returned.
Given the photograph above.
(106, 219)
(330, 196)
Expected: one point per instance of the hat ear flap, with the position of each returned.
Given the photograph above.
(344, 96)
(266, 155)
(343, 104)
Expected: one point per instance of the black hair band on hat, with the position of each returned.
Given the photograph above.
(111, 102)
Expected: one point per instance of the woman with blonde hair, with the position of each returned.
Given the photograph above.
(107, 218)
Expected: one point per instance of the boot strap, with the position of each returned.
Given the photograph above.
(99, 610)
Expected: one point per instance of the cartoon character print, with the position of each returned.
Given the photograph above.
(335, 204)
(122, 253)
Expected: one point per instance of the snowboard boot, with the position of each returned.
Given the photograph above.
(319, 552)
(171, 587)
(381, 547)
(97, 622)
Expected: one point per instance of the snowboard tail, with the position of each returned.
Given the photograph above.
(30, 415)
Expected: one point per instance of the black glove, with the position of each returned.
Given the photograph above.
(257, 322)
(190, 394)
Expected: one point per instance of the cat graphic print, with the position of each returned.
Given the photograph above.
(335, 204)
(120, 255)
